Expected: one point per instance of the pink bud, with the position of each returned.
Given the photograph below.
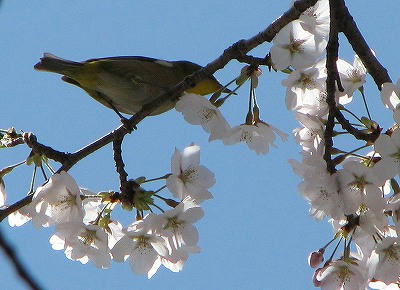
(316, 258)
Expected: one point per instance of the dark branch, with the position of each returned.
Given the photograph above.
(119, 163)
(12, 256)
(332, 77)
(31, 140)
(337, 22)
(360, 46)
(256, 61)
(14, 207)
(358, 134)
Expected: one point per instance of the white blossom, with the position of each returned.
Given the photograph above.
(340, 274)
(59, 200)
(189, 178)
(352, 77)
(304, 87)
(258, 136)
(383, 286)
(311, 135)
(22, 216)
(360, 189)
(316, 19)
(319, 188)
(82, 243)
(177, 224)
(197, 110)
(293, 46)
(390, 94)
(143, 250)
(384, 261)
(389, 149)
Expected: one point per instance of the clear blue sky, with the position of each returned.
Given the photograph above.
(256, 233)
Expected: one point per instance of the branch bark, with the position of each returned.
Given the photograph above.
(360, 46)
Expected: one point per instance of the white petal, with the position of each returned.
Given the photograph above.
(176, 162)
(143, 259)
(190, 157)
(280, 57)
(192, 215)
(205, 177)
(122, 249)
(190, 235)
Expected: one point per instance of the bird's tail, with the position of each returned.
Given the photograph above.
(52, 63)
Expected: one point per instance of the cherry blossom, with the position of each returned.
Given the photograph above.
(384, 261)
(352, 77)
(342, 274)
(357, 192)
(197, 110)
(293, 46)
(316, 19)
(381, 285)
(320, 189)
(304, 87)
(82, 243)
(59, 200)
(258, 136)
(390, 94)
(22, 216)
(360, 188)
(189, 178)
(143, 251)
(389, 149)
(311, 135)
(316, 258)
(177, 224)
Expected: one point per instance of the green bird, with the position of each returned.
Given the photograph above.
(126, 83)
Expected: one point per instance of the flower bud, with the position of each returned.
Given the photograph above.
(316, 258)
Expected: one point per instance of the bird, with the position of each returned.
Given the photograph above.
(126, 83)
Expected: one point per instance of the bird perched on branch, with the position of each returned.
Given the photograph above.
(126, 83)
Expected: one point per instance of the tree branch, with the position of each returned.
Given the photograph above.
(332, 77)
(360, 46)
(339, 16)
(119, 163)
(22, 272)
(256, 61)
(31, 140)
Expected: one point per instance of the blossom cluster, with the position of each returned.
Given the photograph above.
(86, 231)
(361, 193)
(257, 134)
(361, 196)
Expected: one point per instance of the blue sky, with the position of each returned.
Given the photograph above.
(256, 233)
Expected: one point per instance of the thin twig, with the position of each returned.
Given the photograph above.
(358, 134)
(31, 140)
(255, 61)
